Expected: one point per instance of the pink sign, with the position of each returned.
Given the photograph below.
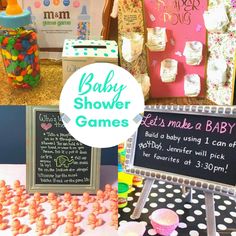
(183, 20)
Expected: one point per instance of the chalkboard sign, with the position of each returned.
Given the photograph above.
(55, 160)
(191, 145)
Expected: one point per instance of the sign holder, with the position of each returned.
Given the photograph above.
(210, 214)
(142, 199)
(187, 183)
(188, 194)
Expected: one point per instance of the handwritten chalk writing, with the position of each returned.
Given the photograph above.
(150, 144)
(146, 154)
(217, 156)
(192, 139)
(54, 119)
(219, 143)
(151, 135)
(202, 153)
(173, 138)
(188, 162)
(202, 146)
(148, 121)
(232, 145)
(61, 158)
(180, 124)
(183, 150)
(165, 158)
(211, 167)
(219, 127)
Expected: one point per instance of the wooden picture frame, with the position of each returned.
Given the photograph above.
(31, 157)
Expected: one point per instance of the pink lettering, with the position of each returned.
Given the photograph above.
(231, 127)
(149, 121)
(223, 128)
(180, 124)
(208, 126)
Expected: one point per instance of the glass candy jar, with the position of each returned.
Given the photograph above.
(20, 51)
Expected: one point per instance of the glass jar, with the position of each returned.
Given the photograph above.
(20, 51)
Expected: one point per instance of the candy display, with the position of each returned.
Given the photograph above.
(19, 46)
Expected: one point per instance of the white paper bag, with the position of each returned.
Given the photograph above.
(216, 19)
(132, 46)
(216, 71)
(144, 81)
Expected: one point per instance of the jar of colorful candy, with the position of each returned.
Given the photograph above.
(20, 51)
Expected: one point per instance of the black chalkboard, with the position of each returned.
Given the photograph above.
(59, 160)
(196, 145)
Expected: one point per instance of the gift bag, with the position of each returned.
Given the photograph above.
(57, 20)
